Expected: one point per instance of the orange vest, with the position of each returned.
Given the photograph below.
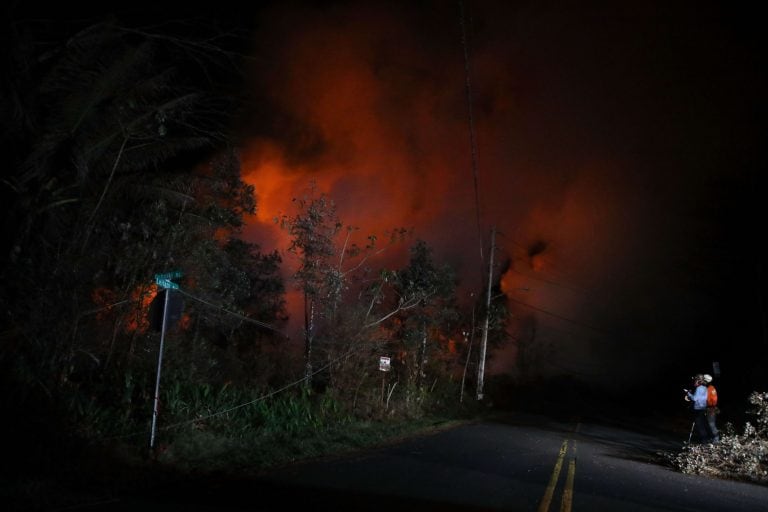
(711, 396)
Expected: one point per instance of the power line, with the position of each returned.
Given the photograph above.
(560, 317)
(548, 281)
(233, 313)
(548, 259)
(472, 141)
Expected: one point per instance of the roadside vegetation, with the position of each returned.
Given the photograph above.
(125, 166)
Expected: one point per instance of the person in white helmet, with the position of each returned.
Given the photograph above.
(712, 409)
(699, 399)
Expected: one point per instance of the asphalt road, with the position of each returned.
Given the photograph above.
(519, 463)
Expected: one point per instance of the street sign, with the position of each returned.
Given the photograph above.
(164, 280)
(384, 364)
(169, 275)
(166, 283)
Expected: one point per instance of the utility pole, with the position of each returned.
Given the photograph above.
(486, 322)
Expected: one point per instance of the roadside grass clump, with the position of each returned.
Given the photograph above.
(737, 456)
(272, 431)
(227, 428)
(231, 428)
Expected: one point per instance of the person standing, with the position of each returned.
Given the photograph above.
(712, 409)
(699, 399)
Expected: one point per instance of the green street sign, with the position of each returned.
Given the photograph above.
(169, 275)
(166, 283)
(164, 280)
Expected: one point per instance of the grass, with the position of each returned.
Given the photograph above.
(204, 451)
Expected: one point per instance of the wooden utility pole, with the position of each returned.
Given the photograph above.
(486, 321)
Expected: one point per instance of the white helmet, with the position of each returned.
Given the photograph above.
(707, 378)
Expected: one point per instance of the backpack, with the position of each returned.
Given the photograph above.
(711, 396)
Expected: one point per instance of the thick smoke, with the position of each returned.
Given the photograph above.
(575, 138)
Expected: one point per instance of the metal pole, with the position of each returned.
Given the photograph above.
(382, 387)
(159, 366)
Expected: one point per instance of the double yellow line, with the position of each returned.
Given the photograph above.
(566, 502)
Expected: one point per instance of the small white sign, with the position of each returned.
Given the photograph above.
(384, 364)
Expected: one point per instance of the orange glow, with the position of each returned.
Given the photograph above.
(103, 297)
(538, 264)
(221, 234)
(138, 318)
(383, 156)
(185, 322)
(376, 116)
(507, 283)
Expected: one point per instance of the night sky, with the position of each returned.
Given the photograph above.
(619, 154)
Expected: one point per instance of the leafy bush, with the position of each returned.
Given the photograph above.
(737, 456)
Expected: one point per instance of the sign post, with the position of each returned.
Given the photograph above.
(384, 367)
(163, 280)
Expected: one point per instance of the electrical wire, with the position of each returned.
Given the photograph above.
(560, 317)
(229, 312)
(471, 120)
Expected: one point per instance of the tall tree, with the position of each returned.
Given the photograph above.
(334, 266)
(422, 327)
(313, 231)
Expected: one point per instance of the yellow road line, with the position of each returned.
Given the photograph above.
(547, 499)
(567, 501)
